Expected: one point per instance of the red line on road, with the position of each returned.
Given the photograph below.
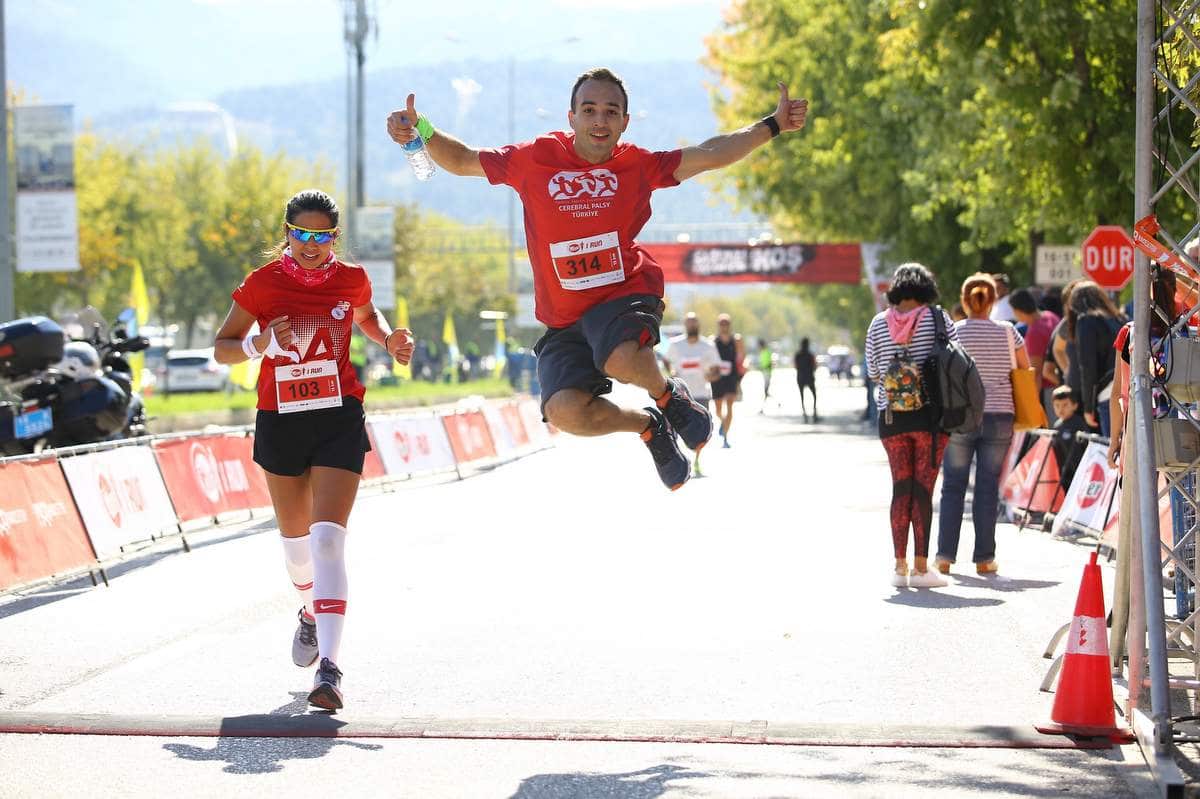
(320, 725)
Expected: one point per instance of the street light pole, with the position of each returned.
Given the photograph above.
(357, 23)
(512, 199)
(8, 303)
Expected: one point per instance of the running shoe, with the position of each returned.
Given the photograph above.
(325, 693)
(673, 468)
(689, 418)
(304, 644)
(926, 579)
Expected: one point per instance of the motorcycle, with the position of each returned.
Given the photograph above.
(68, 384)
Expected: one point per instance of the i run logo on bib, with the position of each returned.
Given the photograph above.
(588, 262)
(308, 386)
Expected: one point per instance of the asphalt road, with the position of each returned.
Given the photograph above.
(564, 593)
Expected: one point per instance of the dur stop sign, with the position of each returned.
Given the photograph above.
(1108, 257)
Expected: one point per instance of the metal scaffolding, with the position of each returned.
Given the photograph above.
(1168, 51)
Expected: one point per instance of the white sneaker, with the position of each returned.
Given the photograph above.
(899, 580)
(929, 579)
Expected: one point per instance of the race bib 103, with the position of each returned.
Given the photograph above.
(307, 386)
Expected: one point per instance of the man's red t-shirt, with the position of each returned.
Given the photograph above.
(581, 220)
(321, 318)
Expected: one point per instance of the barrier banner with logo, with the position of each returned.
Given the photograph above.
(531, 414)
(408, 445)
(120, 495)
(41, 533)
(209, 475)
(1090, 496)
(502, 437)
(1033, 484)
(1013, 455)
(512, 419)
(469, 436)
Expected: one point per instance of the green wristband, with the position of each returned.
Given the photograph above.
(425, 128)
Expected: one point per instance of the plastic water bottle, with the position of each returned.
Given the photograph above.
(418, 158)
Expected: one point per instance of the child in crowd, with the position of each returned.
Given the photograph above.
(1068, 422)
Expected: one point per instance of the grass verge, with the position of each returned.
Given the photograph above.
(408, 393)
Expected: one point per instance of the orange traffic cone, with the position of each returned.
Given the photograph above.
(1083, 704)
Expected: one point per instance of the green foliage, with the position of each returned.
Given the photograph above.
(436, 282)
(961, 133)
(195, 221)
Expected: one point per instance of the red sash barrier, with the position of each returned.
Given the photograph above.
(209, 475)
(41, 533)
(1032, 486)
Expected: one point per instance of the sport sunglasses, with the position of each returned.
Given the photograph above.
(318, 236)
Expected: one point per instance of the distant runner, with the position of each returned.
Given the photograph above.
(695, 361)
(586, 197)
(725, 390)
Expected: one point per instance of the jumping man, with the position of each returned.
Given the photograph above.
(586, 198)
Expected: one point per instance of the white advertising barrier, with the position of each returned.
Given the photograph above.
(531, 414)
(411, 444)
(1090, 494)
(501, 436)
(120, 495)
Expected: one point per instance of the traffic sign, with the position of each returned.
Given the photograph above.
(1057, 264)
(1108, 257)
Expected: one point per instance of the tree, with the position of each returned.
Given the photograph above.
(961, 133)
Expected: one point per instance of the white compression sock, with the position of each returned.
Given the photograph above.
(297, 556)
(328, 541)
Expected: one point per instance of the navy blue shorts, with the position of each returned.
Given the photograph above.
(574, 357)
(288, 444)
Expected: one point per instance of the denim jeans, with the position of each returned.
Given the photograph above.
(987, 447)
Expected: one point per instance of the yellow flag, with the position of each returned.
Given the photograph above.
(245, 374)
(140, 302)
(501, 351)
(403, 372)
(450, 339)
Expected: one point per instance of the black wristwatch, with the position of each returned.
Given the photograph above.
(771, 124)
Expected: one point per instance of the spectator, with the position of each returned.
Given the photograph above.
(1001, 309)
(1069, 421)
(957, 314)
(1039, 327)
(898, 342)
(1093, 322)
(1062, 364)
(806, 377)
(994, 345)
(766, 362)
(1052, 301)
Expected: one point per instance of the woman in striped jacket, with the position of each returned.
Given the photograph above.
(996, 347)
(898, 342)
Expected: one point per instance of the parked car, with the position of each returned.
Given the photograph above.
(193, 370)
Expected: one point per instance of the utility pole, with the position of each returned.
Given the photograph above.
(8, 304)
(512, 198)
(357, 25)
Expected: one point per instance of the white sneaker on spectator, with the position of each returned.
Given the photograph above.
(899, 580)
(927, 579)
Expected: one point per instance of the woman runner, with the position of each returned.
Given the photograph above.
(310, 433)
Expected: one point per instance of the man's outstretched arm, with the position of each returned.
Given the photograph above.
(447, 152)
(721, 151)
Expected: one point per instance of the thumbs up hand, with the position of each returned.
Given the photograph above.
(402, 125)
(790, 114)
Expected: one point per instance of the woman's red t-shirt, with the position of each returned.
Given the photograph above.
(321, 318)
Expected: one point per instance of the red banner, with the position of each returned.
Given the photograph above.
(209, 475)
(469, 436)
(41, 533)
(1033, 484)
(771, 263)
(372, 463)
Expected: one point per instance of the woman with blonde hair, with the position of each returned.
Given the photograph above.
(994, 346)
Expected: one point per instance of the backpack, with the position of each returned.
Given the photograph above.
(903, 384)
(954, 386)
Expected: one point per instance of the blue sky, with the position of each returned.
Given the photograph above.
(199, 48)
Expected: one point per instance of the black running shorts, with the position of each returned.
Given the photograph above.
(288, 444)
(574, 357)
